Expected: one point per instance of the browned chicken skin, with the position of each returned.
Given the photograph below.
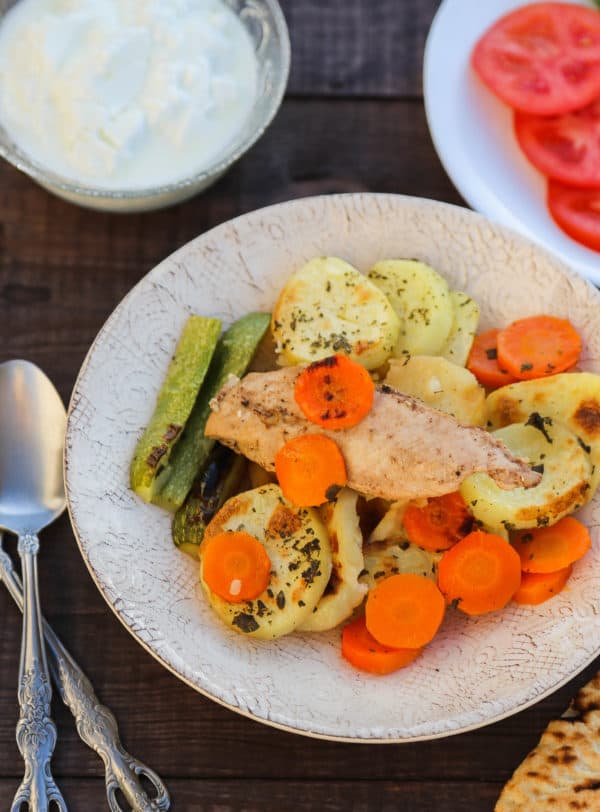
(402, 449)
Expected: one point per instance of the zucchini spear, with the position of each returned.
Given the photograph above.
(174, 404)
(219, 480)
(233, 354)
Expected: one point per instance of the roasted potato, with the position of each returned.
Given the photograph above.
(442, 384)
(421, 298)
(464, 326)
(298, 546)
(327, 306)
(571, 397)
(553, 449)
(385, 558)
(343, 593)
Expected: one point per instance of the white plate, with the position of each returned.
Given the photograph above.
(476, 670)
(473, 135)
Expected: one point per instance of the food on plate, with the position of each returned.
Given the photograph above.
(562, 771)
(572, 398)
(537, 346)
(220, 479)
(439, 523)
(538, 587)
(174, 403)
(547, 549)
(465, 319)
(564, 485)
(344, 592)
(440, 383)
(339, 492)
(576, 211)
(335, 393)
(362, 651)
(421, 299)
(310, 469)
(328, 306)
(391, 557)
(402, 449)
(404, 610)
(299, 551)
(233, 353)
(483, 361)
(480, 573)
(543, 58)
(565, 147)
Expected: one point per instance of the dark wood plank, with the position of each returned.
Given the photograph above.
(359, 48)
(305, 796)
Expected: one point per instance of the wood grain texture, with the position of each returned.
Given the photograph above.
(359, 48)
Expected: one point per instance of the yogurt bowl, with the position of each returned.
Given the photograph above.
(264, 23)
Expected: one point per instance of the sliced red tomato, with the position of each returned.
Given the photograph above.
(565, 147)
(542, 58)
(577, 212)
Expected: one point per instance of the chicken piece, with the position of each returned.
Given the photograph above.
(402, 449)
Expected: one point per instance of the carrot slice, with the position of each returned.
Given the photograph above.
(404, 611)
(538, 346)
(310, 469)
(362, 651)
(537, 587)
(483, 361)
(335, 392)
(235, 566)
(481, 573)
(440, 523)
(547, 549)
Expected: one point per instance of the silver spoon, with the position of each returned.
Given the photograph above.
(32, 431)
(96, 724)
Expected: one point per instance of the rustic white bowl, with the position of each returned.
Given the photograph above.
(477, 670)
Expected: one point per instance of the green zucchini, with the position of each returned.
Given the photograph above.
(174, 403)
(233, 354)
(219, 480)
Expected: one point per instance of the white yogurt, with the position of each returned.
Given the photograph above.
(125, 94)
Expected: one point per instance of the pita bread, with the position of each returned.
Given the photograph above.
(562, 774)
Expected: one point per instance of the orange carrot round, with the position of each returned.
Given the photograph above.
(362, 651)
(404, 611)
(440, 523)
(537, 587)
(547, 549)
(483, 361)
(335, 392)
(538, 346)
(235, 566)
(481, 573)
(310, 469)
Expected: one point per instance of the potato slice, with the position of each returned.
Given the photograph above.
(421, 298)
(465, 321)
(391, 527)
(564, 486)
(343, 593)
(385, 558)
(571, 397)
(327, 306)
(298, 546)
(441, 384)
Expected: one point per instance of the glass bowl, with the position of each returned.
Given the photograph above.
(264, 21)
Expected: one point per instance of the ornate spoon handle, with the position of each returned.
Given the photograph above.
(36, 732)
(95, 723)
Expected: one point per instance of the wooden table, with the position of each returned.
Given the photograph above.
(353, 120)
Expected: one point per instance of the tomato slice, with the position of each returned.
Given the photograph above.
(577, 212)
(565, 147)
(542, 58)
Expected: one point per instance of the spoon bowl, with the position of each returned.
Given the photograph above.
(32, 431)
